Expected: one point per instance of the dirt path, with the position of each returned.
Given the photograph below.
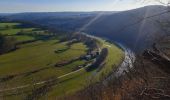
(42, 82)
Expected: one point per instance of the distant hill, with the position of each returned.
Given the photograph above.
(68, 21)
(128, 27)
(125, 27)
(5, 14)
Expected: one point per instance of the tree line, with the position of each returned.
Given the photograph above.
(7, 44)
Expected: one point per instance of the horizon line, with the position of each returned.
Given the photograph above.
(67, 11)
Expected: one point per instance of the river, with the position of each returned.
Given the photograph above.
(128, 61)
(129, 58)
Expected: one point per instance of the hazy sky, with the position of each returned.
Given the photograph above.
(7, 6)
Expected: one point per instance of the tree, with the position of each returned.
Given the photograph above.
(7, 44)
(7, 27)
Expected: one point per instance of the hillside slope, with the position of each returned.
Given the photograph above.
(128, 27)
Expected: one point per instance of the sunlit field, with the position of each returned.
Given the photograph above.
(33, 63)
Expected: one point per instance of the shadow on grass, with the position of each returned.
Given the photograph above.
(62, 50)
(10, 77)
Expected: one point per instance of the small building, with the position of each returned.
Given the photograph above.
(88, 57)
(80, 66)
(91, 55)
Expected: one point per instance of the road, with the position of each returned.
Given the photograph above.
(42, 82)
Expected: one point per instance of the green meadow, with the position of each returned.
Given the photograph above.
(35, 62)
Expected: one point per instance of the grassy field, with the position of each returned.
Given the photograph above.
(38, 56)
(80, 80)
(10, 25)
(13, 31)
(23, 38)
(35, 62)
(114, 58)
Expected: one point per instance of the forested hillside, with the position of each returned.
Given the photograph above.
(126, 27)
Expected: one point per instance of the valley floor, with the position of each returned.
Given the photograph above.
(43, 67)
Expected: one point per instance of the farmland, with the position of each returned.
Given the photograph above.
(40, 58)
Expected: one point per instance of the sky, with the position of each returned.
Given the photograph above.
(16, 6)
